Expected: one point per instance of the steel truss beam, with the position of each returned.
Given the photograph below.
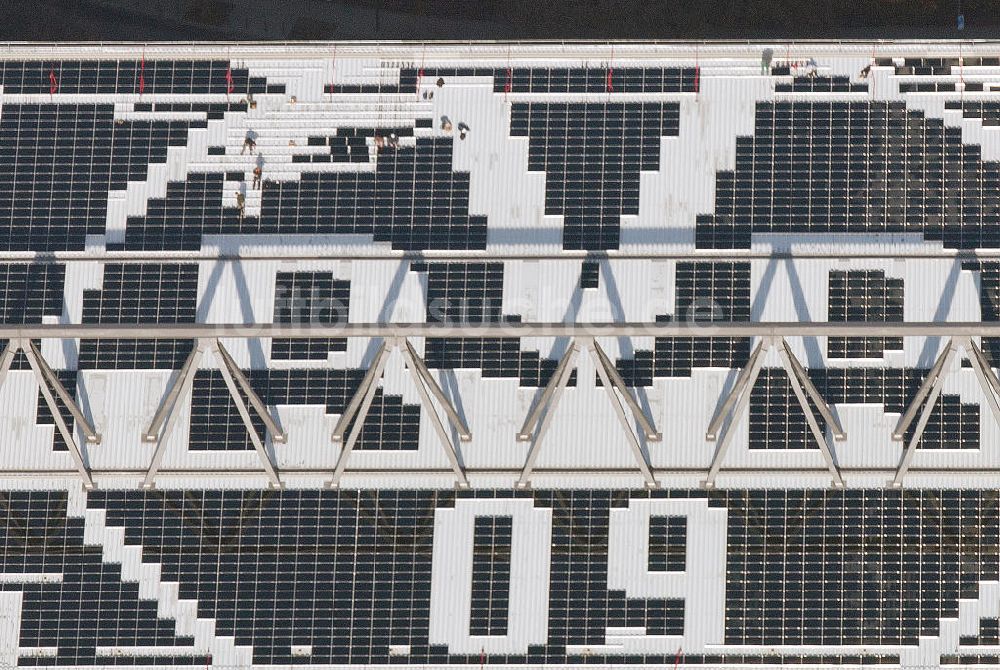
(538, 420)
(930, 391)
(541, 413)
(735, 403)
(507, 329)
(427, 386)
(166, 415)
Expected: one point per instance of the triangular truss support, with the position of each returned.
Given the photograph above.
(540, 416)
(930, 391)
(735, 404)
(47, 383)
(357, 409)
(166, 415)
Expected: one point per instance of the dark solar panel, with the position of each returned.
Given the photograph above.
(414, 200)
(777, 421)
(861, 167)
(473, 293)
(864, 296)
(57, 164)
(704, 291)
(217, 426)
(92, 606)
(309, 298)
(127, 76)
(137, 293)
(578, 145)
(491, 547)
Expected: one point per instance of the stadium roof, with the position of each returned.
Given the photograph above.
(482, 225)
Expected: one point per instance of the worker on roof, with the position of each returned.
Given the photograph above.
(463, 130)
(241, 204)
(249, 143)
(257, 172)
(765, 61)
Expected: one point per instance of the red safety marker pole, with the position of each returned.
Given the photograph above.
(609, 84)
(420, 72)
(53, 82)
(333, 69)
(509, 86)
(697, 70)
(142, 74)
(229, 79)
(677, 658)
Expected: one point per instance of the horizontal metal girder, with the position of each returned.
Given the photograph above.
(558, 329)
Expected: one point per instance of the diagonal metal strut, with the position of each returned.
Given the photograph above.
(372, 376)
(420, 368)
(531, 421)
(715, 424)
(738, 399)
(602, 361)
(796, 383)
(984, 372)
(234, 391)
(934, 383)
(813, 392)
(75, 453)
(166, 416)
(427, 387)
(277, 435)
(633, 440)
(422, 384)
(929, 381)
(544, 409)
(31, 351)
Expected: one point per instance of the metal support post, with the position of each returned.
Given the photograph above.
(528, 427)
(57, 417)
(820, 437)
(907, 418)
(410, 357)
(277, 435)
(715, 424)
(234, 392)
(369, 379)
(744, 384)
(32, 352)
(925, 416)
(372, 378)
(602, 361)
(172, 396)
(633, 440)
(813, 392)
(6, 358)
(548, 401)
(166, 415)
(421, 369)
(984, 372)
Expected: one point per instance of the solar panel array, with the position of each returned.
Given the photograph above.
(118, 205)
